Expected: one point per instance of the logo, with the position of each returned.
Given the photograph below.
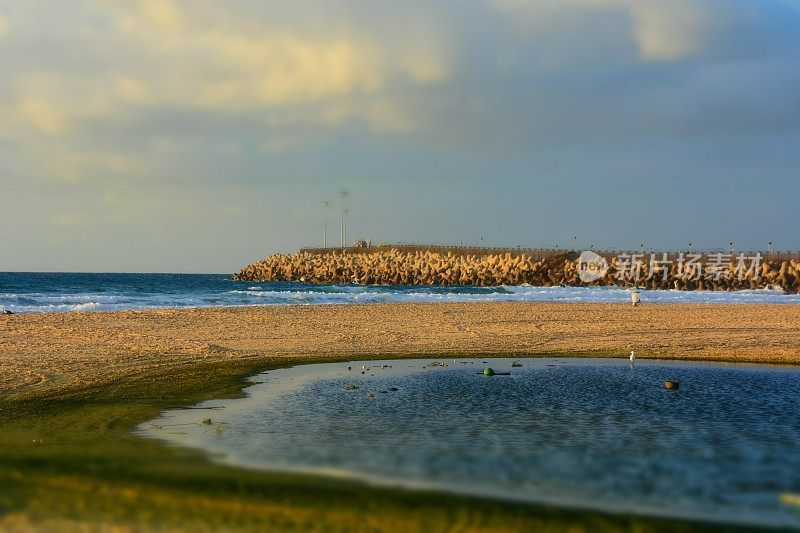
(591, 266)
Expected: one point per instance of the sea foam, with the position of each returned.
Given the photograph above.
(53, 293)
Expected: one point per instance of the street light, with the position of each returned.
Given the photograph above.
(342, 197)
(344, 226)
(325, 206)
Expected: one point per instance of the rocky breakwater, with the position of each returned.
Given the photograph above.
(397, 267)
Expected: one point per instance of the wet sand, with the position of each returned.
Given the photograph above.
(42, 354)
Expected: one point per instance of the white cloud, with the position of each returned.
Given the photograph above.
(151, 88)
(667, 30)
(49, 102)
(210, 58)
(162, 13)
(4, 26)
(138, 59)
(662, 30)
(199, 57)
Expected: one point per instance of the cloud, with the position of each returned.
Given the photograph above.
(667, 31)
(212, 58)
(65, 163)
(151, 89)
(70, 219)
(158, 54)
(662, 31)
(287, 70)
(41, 115)
(94, 93)
(162, 13)
(205, 124)
(4, 26)
(130, 90)
(51, 102)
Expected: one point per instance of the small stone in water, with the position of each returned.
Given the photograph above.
(206, 421)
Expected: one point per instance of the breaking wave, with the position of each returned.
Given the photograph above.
(58, 292)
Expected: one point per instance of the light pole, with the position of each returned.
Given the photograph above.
(325, 206)
(342, 197)
(345, 211)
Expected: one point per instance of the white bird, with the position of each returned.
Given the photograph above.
(633, 357)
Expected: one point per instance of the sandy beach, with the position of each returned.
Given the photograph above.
(42, 354)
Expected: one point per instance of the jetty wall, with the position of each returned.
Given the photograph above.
(492, 267)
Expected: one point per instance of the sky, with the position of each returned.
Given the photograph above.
(185, 136)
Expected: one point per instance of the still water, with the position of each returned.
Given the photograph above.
(593, 434)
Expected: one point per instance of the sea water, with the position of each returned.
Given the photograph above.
(584, 433)
(58, 292)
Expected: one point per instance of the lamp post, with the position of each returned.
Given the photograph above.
(342, 197)
(345, 211)
(325, 206)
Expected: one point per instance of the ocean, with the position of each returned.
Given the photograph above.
(27, 292)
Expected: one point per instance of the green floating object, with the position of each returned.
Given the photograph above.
(488, 371)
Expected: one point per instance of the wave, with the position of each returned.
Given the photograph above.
(31, 293)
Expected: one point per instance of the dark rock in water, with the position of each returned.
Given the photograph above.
(672, 385)
(516, 364)
(206, 421)
(393, 389)
(7, 312)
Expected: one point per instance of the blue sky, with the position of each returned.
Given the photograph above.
(168, 135)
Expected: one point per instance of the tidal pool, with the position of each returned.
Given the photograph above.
(585, 433)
